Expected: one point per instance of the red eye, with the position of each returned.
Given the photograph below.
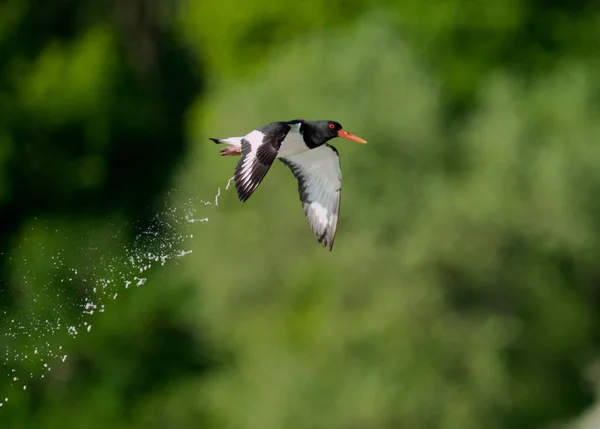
(332, 126)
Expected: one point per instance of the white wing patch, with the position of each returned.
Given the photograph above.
(319, 183)
(259, 150)
(255, 138)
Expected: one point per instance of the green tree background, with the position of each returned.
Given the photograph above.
(464, 287)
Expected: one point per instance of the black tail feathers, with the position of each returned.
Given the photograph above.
(217, 141)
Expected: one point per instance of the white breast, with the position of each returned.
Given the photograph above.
(293, 143)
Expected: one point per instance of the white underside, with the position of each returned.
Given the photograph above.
(293, 143)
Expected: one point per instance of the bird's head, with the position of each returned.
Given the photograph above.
(321, 132)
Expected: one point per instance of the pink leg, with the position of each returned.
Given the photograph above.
(231, 151)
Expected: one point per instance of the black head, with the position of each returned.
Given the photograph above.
(317, 133)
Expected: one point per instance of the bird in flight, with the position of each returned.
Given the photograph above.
(301, 146)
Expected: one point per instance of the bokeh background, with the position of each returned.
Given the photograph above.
(464, 287)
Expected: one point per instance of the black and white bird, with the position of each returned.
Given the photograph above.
(302, 146)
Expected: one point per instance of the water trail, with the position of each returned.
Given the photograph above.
(31, 342)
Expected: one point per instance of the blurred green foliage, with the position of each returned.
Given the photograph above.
(92, 107)
(461, 40)
(463, 290)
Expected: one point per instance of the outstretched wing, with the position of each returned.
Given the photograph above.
(259, 149)
(320, 185)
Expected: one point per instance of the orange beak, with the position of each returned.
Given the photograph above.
(347, 135)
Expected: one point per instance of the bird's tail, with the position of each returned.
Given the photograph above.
(234, 141)
(234, 145)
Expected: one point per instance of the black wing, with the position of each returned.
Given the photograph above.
(259, 150)
(320, 186)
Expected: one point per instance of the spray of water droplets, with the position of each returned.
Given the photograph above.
(30, 342)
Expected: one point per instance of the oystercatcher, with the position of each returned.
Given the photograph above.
(302, 146)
